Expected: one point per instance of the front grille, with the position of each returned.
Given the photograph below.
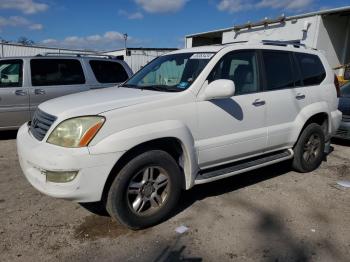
(342, 133)
(41, 123)
(346, 118)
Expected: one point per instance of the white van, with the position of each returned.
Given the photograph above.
(26, 82)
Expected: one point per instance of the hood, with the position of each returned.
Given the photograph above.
(344, 105)
(100, 100)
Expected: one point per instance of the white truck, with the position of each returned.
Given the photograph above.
(189, 117)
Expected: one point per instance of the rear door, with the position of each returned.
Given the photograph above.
(55, 77)
(107, 73)
(282, 101)
(312, 73)
(14, 97)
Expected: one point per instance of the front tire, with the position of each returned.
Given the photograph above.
(146, 190)
(309, 150)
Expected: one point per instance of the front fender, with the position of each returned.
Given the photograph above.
(127, 139)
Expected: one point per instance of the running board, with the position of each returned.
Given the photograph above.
(216, 173)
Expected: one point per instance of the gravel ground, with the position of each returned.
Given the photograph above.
(271, 214)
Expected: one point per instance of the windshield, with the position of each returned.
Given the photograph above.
(170, 73)
(345, 90)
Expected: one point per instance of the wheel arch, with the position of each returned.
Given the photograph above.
(321, 118)
(170, 144)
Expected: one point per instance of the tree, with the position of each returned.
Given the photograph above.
(25, 41)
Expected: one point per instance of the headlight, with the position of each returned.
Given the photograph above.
(76, 132)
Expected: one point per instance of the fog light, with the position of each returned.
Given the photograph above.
(61, 177)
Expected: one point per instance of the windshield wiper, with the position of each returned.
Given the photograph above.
(129, 86)
(161, 88)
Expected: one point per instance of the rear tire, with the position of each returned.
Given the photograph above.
(309, 150)
(145, 191)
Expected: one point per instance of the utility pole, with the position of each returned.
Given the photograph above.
(125, 39)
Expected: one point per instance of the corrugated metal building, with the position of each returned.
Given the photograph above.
(136, 58)
(327, 30)
(12, 49)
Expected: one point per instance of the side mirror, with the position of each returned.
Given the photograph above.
(3, 76)
(219, 89)
(347, 73)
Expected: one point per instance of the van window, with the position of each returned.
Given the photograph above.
(108, 72)
(278, 70)
(240, 67)
(312, 70)
(11, 73)
(48, 72)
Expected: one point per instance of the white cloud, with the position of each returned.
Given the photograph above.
(161, 6)
(36, 27)
(25, 6)
(285, 4)
(108, 40)
(131, 16)
(18, 21)
(233, 6)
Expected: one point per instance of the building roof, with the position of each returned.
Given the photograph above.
(143, 49)
(339, 10)
(46, 47)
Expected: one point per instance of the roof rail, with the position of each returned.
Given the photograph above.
(294, 43)
(78, 55)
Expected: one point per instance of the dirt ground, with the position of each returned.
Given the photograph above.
(271, 214)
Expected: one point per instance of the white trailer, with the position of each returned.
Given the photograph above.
(326, 30)
(136, 58)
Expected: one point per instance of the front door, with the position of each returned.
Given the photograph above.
(54, 77)
(14, 97)
(233, 128)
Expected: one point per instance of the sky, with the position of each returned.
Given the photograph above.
(100, 24)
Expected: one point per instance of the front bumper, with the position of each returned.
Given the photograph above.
(343, 131)
(36, 157)
(336, 117)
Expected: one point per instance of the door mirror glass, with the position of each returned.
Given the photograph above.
(220, 89)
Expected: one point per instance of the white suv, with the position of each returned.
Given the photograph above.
(189, 117)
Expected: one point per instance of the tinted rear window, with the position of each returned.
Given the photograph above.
(278, 70)
(108, 72)
(312, 70)
(47, 72)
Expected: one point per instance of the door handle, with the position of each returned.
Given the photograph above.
(259, 102)
(39, 92)
(300, 96)
(20, 93)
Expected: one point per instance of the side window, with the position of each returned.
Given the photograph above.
(108, 72)
(242, 68)
(11, 73)
(47, 72)
(278, 70)
(312, 70)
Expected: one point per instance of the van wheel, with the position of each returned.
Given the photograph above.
(145, 191)
(309, 150)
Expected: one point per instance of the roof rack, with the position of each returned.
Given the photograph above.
(294, 43)
(265, 22)
(79, 55)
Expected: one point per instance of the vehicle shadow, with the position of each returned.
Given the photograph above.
(220, 187)
(8, 135)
